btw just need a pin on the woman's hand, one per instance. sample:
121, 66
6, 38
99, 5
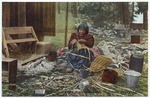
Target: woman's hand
73, 41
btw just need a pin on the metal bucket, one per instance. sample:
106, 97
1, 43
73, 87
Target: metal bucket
84, 85
132, 77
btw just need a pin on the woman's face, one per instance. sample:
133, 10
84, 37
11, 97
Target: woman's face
81, 32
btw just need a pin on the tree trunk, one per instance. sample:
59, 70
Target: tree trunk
145, 24
74, 9
132, 13
124, 13
127, 15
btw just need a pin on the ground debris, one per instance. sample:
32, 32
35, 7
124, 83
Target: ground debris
56, 82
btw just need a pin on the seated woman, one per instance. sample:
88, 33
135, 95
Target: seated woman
80, 56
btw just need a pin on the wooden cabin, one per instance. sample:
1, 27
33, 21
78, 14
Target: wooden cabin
39, 15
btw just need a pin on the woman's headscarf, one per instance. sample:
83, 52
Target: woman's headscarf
83, 26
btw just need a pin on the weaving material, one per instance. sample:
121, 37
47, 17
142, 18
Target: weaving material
81, 58
99, 63
81, 46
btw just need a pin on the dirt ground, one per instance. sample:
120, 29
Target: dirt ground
60, 83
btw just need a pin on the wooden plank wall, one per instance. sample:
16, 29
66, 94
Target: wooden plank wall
49, 18
40, 15
44, 17
5, 14
34, 17
13, 14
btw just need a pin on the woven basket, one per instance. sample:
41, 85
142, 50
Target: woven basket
99, 63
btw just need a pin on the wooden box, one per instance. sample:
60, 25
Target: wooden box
9, 65
42, 48
135, 38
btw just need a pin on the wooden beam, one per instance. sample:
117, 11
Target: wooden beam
21, 40
17, 30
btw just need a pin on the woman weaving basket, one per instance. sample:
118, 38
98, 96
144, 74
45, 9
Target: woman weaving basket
80, 56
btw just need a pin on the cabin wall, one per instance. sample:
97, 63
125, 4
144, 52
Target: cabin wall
40, 15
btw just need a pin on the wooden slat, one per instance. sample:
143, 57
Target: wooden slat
14, 46
8, 59
27, 27
17, 30
21, 40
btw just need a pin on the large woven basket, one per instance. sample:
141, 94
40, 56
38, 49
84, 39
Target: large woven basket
99, 63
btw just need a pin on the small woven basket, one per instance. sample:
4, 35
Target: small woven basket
99, 63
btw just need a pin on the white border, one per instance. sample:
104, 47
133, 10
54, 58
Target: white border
72, 1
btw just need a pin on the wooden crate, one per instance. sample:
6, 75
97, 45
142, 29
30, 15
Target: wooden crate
9, 66
42, 48
135, 38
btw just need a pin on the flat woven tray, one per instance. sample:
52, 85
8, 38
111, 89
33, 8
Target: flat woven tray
99, 63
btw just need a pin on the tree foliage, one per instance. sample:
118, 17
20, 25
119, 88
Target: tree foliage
106, 14
101, 13
142, 7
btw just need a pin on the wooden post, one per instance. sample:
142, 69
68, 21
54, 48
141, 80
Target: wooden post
66, 28
10, 65
145, 22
